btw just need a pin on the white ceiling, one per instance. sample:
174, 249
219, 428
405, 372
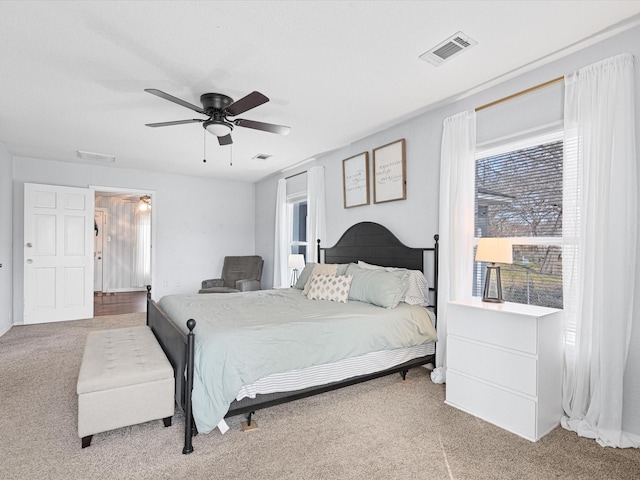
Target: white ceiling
73, 74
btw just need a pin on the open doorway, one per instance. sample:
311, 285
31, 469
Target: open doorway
123, 260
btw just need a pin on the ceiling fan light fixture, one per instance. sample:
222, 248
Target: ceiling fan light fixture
219, 128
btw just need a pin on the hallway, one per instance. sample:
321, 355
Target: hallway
119, 303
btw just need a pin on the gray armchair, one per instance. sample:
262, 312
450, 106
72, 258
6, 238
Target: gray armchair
239, 274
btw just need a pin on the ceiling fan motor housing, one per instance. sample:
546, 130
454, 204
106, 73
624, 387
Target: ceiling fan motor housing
214, 101
214, 104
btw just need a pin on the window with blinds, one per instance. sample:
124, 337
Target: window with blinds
297, 213
299, 227
518, 194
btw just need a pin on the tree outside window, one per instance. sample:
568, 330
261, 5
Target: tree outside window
519, 195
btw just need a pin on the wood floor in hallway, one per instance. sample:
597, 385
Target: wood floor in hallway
119, 303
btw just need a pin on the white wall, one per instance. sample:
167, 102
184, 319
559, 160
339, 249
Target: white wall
6, 189
198, 221
415, 220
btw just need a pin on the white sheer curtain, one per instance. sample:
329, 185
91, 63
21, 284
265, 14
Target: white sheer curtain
600, 221
142, 252
316, 216
457, 174
281, 243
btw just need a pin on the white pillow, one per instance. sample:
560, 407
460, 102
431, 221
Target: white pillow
417, 291
330, 287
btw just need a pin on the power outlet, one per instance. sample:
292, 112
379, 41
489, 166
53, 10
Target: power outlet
166, 283
178, 283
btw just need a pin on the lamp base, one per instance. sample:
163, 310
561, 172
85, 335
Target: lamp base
492, 300
487, 285
294, 277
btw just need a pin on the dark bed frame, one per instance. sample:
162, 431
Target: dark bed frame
365, 241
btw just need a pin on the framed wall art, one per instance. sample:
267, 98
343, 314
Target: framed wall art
355, 180
389, 172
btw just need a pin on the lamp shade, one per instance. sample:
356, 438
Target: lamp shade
296, 261
494, 250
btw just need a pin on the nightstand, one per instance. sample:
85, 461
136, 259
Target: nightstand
504, 364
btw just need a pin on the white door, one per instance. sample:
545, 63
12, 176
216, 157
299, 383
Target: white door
100, 219
58, 253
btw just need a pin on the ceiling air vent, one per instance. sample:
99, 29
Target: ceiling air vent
448, 49
261, 156
98, 157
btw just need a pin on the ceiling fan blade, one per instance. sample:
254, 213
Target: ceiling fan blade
266, 127
226, 140
246, 103
176, 122
173, 99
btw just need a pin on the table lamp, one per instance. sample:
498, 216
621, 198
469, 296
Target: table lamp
296, 262
494, 250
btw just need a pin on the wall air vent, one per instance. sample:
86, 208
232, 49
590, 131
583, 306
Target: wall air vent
448, 49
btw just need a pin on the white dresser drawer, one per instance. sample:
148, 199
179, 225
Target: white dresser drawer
505, 409
504, 364
511, 370
516, 332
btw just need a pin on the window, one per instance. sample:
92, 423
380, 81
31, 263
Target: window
519, 195
298, 216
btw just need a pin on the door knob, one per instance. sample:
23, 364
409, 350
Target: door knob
29, 245
29, 261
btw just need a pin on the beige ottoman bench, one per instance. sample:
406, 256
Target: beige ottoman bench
125, 379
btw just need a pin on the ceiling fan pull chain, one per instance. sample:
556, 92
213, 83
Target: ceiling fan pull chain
204, 147
231, 156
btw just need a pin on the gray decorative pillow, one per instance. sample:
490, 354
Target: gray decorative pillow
342, 268
417, 292
330, 287
304, 275
377, 286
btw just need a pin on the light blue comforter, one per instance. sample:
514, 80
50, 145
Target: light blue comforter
242, 337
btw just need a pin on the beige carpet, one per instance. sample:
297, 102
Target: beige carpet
384, 429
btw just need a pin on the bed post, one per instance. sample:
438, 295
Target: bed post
436, 253
148, 300
318, 250
188, 414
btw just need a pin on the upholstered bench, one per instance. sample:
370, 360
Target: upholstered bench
125, 379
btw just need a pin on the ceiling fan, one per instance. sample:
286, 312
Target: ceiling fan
219, 108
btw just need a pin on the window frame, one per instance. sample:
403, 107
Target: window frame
553, 133
292, 201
